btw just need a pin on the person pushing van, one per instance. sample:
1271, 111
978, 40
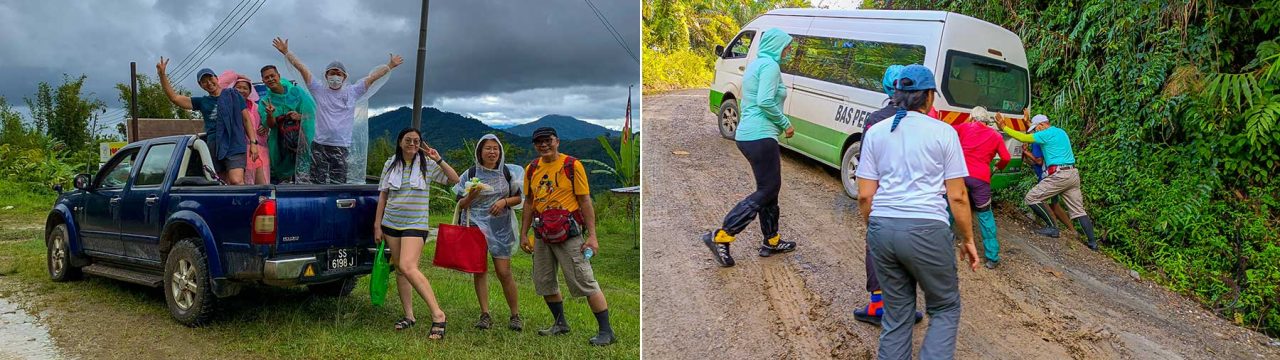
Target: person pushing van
912, 168
757, 139
1063, 177
981, 143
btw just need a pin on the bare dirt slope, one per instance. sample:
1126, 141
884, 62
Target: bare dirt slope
1050, 299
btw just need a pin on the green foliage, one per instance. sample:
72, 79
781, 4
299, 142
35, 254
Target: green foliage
69, 116
1172, 110
679, 36
626, 160
152, 102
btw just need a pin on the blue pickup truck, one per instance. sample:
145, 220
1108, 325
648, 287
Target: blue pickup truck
156, 215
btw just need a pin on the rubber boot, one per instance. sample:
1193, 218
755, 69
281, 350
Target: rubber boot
1087, 224
1050, 229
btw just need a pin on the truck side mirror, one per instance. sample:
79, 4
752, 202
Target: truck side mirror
82, 181
719, 50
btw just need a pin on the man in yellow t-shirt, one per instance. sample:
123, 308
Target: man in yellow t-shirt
548, 186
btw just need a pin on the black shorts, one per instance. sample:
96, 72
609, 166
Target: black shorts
404, 233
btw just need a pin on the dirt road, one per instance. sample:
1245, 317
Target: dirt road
1050, 299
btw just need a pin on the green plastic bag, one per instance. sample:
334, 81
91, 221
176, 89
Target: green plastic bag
381, 273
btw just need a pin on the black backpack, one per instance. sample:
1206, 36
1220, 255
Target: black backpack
290, 134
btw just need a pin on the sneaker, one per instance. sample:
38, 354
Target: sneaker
485, 321
863, 316
719, 251
602, 339
557, 329
1048, 231
516, 324
1092, 246
991, 265
782, 247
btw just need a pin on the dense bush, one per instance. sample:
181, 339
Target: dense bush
1172, 108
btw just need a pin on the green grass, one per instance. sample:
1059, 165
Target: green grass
289, 323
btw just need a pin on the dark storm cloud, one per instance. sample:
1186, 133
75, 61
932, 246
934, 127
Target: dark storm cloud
476, 50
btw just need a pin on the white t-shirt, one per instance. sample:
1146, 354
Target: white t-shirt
335, 111
911, 164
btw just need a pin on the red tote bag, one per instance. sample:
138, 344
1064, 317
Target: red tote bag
461, 248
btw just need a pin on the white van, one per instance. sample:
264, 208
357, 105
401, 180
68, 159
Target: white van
833, 77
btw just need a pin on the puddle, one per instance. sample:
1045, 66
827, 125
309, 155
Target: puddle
22, 336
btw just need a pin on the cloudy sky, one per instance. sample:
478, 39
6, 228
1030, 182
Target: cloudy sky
499, 61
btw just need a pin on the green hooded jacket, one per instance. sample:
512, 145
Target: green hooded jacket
763, 92
294, 98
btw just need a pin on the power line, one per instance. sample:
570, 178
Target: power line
612, 31
224, 40
187, 59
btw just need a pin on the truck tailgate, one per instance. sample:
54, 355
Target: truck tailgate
313, 218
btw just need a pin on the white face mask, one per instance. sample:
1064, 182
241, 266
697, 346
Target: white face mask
335, 81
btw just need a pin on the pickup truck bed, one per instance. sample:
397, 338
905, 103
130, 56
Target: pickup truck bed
154, 215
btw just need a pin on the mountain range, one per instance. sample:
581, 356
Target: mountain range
448, 131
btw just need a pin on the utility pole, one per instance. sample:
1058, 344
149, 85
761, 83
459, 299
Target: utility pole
422, 62
133, 102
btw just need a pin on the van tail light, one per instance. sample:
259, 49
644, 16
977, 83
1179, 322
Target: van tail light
264, 223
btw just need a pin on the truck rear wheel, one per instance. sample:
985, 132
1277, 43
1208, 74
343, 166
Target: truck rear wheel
849, 168
58, 255
187, 288
335, 288
728, 118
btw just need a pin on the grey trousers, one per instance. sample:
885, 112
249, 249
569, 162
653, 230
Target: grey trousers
910, 252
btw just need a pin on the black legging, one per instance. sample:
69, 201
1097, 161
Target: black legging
765, 158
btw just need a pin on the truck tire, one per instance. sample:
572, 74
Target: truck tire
58, 255
337, 288
728, 117
187, 288
848, 168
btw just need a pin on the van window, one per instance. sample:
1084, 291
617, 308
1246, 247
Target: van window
856, 63
740, 46
971, 80
154, 165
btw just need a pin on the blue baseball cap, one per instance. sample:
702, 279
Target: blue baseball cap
890, 76
915, 78
204, 72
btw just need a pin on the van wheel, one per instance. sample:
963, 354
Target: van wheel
58, 255
335, 288
187, 288
728, 117
849, 168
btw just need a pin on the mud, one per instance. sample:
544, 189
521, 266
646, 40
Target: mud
1049, 299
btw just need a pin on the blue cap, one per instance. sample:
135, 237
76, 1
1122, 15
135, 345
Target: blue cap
915, 78
890, 75
204, 72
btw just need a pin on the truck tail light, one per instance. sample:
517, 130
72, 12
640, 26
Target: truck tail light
264, 223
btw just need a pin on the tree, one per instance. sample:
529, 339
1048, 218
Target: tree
152, 102
12, 130
66, 112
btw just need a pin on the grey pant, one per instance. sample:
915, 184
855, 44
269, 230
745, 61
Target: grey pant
908, 252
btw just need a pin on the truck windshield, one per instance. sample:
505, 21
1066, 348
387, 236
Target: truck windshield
971, 80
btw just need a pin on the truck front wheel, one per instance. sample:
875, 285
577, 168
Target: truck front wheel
334, 288
58, 255
187, 288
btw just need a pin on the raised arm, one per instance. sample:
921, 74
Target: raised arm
283, 46
181, 101
1004, 123
395, 61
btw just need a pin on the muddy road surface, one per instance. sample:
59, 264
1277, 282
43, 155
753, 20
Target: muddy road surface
1049, 299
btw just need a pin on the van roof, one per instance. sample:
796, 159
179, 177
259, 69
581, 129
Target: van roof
914, 15
925, 15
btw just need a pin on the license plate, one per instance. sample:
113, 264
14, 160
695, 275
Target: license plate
342, 258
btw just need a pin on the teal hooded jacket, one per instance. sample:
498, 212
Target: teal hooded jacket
763, 92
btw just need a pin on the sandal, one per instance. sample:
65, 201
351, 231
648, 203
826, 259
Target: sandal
437, 331
404, 323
